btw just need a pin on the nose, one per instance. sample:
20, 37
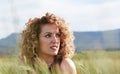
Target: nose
55, 39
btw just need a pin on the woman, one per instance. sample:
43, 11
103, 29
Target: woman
48, 38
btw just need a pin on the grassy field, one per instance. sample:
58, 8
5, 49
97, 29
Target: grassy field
87, 62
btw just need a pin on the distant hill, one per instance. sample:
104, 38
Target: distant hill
11, 40
9, 44
97, 40
83, 41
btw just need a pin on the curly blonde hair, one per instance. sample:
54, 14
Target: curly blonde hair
30, 37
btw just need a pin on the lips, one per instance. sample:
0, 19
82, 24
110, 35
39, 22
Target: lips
54, 47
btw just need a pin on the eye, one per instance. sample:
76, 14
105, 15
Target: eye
58, 35
48, 35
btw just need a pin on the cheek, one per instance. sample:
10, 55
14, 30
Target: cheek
45, 40
44, 43
42, 47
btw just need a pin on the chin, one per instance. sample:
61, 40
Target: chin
54, 54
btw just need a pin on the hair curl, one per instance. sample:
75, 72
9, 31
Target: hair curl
30, 37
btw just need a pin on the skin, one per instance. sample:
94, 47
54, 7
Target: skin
68, 67
49, 41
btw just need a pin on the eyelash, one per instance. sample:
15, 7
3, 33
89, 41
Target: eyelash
49, 35
58, 35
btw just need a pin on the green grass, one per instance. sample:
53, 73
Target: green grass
87, 62
97, 62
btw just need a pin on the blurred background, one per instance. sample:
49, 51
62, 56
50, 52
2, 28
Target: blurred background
95, 23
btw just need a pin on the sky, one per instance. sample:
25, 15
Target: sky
82, 15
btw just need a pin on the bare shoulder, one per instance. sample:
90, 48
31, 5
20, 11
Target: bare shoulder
68, 65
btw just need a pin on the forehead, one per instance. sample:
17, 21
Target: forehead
49, 28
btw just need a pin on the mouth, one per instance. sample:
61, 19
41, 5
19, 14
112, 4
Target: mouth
54, 47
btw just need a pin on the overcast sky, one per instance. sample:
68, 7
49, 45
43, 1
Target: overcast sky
82, 15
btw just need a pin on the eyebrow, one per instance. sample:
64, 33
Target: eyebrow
50, 33
46, 33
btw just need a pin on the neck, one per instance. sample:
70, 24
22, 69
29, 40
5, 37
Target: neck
47, 58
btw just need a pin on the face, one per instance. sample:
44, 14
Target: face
49, 39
